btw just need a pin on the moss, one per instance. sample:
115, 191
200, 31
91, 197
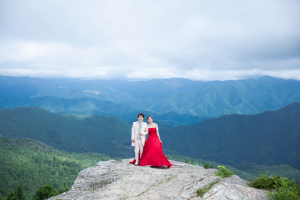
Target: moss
202, 191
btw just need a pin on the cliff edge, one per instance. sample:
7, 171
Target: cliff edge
121, 180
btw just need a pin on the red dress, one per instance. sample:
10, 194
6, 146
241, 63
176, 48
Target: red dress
153, 153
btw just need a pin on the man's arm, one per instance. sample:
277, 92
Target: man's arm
132, 133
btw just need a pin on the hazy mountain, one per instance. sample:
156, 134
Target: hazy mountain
91, 106
67, 88
182, 96
250, 96
268, 138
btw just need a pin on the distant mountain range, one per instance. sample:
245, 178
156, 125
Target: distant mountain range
268, 138
156, 97
215, 99
91, 106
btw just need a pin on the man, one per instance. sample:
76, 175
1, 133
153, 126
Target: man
138, 132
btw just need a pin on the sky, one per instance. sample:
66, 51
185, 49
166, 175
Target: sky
110, 39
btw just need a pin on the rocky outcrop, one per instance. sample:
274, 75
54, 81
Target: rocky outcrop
121, 180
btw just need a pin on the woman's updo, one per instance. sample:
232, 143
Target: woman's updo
149, 116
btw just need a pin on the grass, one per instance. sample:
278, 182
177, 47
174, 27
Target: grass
223, 172
202, 191
168, 179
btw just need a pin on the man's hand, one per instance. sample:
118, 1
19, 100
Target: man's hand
140, 133
133, 140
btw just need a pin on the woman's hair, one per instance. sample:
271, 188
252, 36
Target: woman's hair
142, 114
149, 116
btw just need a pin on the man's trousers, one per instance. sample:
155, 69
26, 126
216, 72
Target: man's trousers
138, 150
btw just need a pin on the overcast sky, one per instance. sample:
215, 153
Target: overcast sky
199, 40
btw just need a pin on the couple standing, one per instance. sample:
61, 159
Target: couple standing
150, 152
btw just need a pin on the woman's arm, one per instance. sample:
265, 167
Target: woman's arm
157, 133
145, 132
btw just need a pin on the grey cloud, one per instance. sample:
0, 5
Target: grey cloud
204, 40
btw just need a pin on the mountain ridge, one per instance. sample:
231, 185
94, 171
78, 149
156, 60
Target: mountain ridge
268, 138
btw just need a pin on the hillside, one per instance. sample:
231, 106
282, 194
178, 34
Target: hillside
68, 132
33, 164
268, 138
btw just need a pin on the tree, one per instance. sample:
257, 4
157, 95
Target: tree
44, 193
19, 193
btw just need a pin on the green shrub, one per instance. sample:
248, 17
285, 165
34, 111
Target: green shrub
47, 191
18, 194
207, 166
44, 193
264, 181
186, 161
202, 191
223, 172
284, 189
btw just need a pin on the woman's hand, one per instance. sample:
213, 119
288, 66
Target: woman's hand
160, 141
141, 133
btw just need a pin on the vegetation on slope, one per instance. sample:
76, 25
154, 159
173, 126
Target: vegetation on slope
68, 132
33, 164
284, 188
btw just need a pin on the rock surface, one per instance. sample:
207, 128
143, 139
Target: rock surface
121, 180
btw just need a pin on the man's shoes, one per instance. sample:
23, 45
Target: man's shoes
136, 163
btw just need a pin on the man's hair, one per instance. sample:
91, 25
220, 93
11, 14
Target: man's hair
149, 116
141, 114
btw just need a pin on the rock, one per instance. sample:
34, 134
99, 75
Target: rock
121, 180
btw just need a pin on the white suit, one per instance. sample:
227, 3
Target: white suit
139, 143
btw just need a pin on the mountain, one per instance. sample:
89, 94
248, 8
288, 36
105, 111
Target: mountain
268, 138
68, 132
249, 96
33, 164
91, 106
181, 96
67, 88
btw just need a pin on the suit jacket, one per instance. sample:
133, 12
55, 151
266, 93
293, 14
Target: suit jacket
135, 129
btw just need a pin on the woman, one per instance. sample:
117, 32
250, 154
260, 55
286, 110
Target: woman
153, 153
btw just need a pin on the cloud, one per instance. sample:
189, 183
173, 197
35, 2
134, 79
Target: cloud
200, 40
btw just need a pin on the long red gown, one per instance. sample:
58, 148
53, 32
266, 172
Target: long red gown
153, 153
